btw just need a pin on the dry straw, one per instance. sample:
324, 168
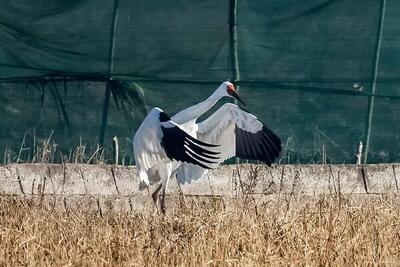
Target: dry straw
281, 230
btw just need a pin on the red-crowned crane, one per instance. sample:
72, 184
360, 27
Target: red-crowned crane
164, 146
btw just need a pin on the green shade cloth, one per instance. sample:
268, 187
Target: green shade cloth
306, 69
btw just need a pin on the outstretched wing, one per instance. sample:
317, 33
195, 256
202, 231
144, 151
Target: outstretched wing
160, 139
239, 133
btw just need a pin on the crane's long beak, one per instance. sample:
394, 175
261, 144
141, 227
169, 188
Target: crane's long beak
237, 97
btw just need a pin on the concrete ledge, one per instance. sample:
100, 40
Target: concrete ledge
228, 180
71, 184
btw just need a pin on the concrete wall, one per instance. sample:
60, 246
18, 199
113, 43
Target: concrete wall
116, 187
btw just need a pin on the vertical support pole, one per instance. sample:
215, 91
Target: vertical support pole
111, 53
234, 48
371, 98
105, 114
359, 153
234, 43
116, 150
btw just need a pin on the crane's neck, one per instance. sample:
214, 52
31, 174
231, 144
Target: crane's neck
194, 112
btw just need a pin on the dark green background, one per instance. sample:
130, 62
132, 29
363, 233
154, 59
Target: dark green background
298, 62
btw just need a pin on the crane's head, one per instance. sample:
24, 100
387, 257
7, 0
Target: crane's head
229, 88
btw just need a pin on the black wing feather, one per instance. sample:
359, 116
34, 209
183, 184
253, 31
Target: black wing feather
263, 145
194, 155
202, 152
176, 142
201, 142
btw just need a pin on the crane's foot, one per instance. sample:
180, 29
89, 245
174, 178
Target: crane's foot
163, 210
162, 206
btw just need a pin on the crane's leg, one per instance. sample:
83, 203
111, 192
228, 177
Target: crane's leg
154, 196
165, 174
162, 202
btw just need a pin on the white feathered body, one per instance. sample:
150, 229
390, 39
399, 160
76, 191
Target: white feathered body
236, 131
150, 157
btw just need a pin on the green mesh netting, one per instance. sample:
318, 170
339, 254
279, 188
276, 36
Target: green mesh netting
316, 71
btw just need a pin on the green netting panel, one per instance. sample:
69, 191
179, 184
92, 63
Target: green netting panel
335, 123
389, 63
55, 36
321, 41
71, 116
183, 40
147, 39
385, 136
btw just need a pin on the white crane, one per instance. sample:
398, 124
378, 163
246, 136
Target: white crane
164, 146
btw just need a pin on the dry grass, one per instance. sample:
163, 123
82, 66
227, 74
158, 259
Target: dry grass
47, 151
326, 230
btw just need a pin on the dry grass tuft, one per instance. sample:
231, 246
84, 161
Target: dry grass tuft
325, 230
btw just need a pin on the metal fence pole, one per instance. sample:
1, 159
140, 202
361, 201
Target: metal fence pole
234, 43
105, 114
234, 48
111, 52
371, 97
110, 73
